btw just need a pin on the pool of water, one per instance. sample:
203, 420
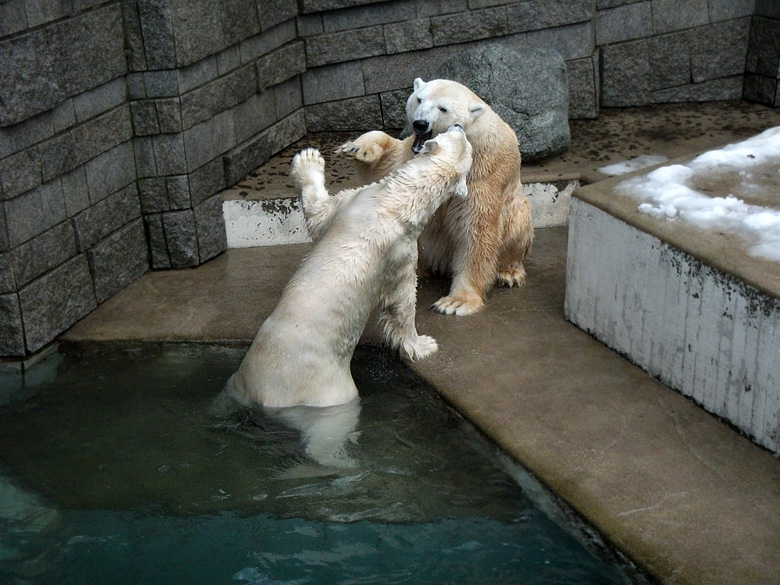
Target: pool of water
124, 465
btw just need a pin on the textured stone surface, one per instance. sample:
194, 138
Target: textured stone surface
583, 96
153, 194
44, 252
281, 64
104, 217
528, 89
625, 23
210, 228
625, 75
20, 173
353, 114
344, 46
11, 329
672, 15
181, 238
539, 14
34, 212
720, 50
55, 301
118, 260
469, 26
7, 279
110, 172
155, 237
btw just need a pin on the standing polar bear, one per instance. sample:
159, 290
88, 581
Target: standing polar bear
365, 256
479, 240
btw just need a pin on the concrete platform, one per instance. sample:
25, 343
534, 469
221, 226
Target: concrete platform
683, 495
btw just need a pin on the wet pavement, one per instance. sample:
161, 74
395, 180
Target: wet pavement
680, 493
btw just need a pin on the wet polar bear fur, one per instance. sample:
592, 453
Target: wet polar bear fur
365, 256
485, 238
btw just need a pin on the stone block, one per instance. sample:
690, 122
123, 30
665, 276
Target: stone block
58, 155
157, 31
764, 48
93, 48
758, 88
362, 17
251, 154
254, 115
11, 329
75, 191
353, 114
673, 15
100, 134
625, 75
118, 260
163, 83
155, 236
228, 59
55, 301
671, 59
723, 89
169, 115
281, 64
19, 173
410, 35
178, 192
110, 172
64, 115
169, 154
197, 74
223, 93
153, 194
207, 180
202, 28
527, 88
16, 138
210, 228
541, 14
274, 12
624, 23
719, 50
13, 18
392, 72
583, 95
394, 108
288, 97
4, 244
267, 41
100, 100
181, 238
7, 278
34, 212
332, 82
767, 8
134, 40
144, 116
207, 140
575, 41
344, 46
31, 75
110, 214
145, 164
44, 252
136, 87
310, 25
469, 26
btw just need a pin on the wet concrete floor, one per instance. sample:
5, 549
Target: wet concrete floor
680, 493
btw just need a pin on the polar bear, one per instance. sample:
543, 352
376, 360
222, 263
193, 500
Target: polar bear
479, 240
365, 256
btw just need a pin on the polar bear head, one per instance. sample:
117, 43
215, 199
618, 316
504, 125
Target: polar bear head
454, 149
438, 104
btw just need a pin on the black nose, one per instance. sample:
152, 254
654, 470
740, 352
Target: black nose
420, 126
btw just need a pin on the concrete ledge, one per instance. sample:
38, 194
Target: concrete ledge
688, 305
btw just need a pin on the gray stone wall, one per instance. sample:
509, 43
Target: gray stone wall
121, 120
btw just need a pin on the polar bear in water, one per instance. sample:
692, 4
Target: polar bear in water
365, 256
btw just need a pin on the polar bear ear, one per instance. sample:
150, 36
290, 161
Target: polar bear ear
418, 83
430, 147
476, 109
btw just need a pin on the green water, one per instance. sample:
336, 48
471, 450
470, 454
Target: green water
124, 466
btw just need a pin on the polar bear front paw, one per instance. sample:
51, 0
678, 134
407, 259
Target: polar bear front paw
420, 348
513, 275
367, 154
308, 166
458, 305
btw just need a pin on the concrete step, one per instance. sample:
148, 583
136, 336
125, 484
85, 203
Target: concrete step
264, 209
692, 297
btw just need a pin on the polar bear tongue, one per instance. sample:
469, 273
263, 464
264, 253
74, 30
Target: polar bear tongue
419, 140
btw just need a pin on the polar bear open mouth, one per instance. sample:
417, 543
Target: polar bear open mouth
419, 140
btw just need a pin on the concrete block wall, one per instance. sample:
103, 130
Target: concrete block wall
361, 61
762, 70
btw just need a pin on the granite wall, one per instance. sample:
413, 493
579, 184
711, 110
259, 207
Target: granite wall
121, 120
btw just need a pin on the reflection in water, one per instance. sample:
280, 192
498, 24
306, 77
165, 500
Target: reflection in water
129, 468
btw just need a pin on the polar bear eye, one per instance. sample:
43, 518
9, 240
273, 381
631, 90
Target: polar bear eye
442, 109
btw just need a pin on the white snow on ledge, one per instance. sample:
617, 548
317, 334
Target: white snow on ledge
669, 193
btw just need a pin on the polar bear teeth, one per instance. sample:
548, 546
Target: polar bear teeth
419, 140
